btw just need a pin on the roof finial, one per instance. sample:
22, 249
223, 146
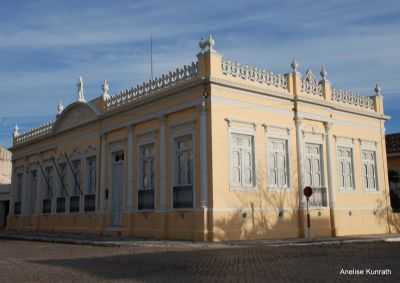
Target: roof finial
377, 90
81, 97
60, 108
16, 131
106, 90
295, 66
323, 73
207, 44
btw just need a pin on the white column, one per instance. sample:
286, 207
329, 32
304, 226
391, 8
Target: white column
103, 173
331, 171
13, 188
203, 155
163, 169
300, 146
38, 190
129, 153
25, 201
300, 172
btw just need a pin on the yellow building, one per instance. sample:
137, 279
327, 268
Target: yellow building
215, 150
393, 156
5, 184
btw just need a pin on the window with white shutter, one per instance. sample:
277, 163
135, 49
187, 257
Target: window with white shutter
314, 176
369, 170
345, 168
91, 171
278, 168
313, 166
147, 167
242, 160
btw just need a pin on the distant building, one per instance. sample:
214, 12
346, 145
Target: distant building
393, 155
215, 150
5, 185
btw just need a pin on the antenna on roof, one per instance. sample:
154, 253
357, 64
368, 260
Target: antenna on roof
151, 57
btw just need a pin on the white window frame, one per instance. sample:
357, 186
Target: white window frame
63, 177
369, 145
176, 161
33, 187
90, 159
177, 131
345, 143
283, 134
75, 190
376, 187
321, 161
141, 167
50, 184
242, 128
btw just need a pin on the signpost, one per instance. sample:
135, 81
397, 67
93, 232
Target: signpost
307, 193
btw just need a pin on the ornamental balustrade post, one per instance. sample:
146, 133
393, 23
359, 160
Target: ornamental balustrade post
210, 61
294, 79
378, 100
326, 85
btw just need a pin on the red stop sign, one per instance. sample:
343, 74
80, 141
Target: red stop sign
307, 191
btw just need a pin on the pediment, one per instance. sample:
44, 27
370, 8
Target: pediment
74, 115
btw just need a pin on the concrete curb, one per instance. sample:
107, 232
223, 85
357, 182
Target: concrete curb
188, 244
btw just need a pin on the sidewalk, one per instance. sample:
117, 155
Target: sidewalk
109, 241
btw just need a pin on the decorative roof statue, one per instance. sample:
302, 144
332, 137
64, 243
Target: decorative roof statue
16, 131
106, 90
81, 97
323, 73
295, 66
60, 108
377, 90
207, 44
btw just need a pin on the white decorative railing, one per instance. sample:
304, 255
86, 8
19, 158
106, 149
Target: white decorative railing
166, 80
348, 97
34, 133
245, 72
310, 85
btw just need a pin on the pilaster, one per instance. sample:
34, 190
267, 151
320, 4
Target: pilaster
163, 165
103, 174
129, 153
331, 169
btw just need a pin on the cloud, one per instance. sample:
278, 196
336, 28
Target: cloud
46, 45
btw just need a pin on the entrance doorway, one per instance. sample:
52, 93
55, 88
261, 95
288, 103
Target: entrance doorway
4, 209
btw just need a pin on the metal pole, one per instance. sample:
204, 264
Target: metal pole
308, 221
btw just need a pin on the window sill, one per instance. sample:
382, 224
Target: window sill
243, 189
371, 191
279, 189
343, 190
146, 210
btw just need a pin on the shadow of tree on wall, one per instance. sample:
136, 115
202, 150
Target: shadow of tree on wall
387, 210
263, 214
386, 215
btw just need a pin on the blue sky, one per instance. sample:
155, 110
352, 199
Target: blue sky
46, 45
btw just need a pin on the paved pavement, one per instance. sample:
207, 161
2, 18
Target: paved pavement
25, 261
